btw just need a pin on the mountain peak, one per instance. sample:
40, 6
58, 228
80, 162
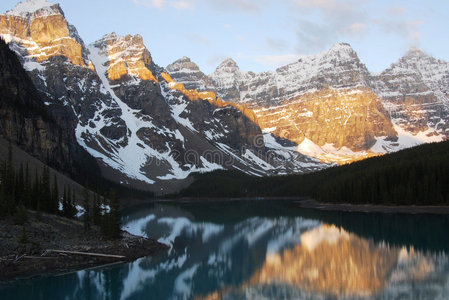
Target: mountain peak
228, 62
414, 52
110, 36
183, 65
227, 66
341, 47
29, 7
129, 39
183, 59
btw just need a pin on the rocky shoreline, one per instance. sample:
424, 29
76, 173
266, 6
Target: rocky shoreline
51, 245
375, 208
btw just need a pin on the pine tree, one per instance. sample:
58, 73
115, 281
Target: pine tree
9, 174
65, 203
104, 222
27, 187
3, 204
96, 210
114, 215
19, 187
86, 207
21, 215
72, 204
35, 193
23, 238
55, 196
45, 191
8, 183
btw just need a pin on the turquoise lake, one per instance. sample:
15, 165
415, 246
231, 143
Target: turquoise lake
265, 250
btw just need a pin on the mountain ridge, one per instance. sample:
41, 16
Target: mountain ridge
278, 93
143, 132
139, 119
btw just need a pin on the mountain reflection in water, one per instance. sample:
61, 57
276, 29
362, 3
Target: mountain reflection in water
256, 251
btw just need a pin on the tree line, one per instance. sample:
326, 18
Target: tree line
414, 176
417, 176
21, 190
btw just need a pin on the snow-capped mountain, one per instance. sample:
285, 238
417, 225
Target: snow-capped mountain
189, 74
227, 79
415, 90
334, 109
323, 103
144, 129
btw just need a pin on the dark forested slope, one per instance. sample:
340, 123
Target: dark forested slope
418, 175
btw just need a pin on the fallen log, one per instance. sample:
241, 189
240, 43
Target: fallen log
38, 257
85, 253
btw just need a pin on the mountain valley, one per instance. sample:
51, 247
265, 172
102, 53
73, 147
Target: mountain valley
150, 127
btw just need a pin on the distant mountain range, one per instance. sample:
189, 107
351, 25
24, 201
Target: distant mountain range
332, 107
149, 127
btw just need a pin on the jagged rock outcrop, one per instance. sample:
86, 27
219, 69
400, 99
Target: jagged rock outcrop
415, 92
41, 31
227, 79
127, 56
187, 72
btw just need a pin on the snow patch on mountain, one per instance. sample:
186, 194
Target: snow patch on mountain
24, 9
405, 140
329, 153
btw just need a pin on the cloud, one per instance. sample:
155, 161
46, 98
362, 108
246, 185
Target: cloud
324, 22
247, 6
179, 4
410, 29
275, 44
215, 60
321, 23
356, 28
150, 3
313, 37
230, 6
182, 4
199, 39
241, 38
396, 10
276, 60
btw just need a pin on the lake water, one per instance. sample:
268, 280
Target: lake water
266, 250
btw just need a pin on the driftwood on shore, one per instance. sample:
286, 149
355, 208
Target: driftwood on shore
84, 253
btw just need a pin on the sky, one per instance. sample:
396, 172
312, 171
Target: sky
261, 35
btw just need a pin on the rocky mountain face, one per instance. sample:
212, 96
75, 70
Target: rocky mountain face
332, 108
144, 129
415, 90
188, 73
25, 119
227, 79
41, 31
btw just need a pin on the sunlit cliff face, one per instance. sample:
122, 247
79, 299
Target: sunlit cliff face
43, 34
128, 55
344, 118
209, 96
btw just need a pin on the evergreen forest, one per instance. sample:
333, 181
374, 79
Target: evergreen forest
414, 176
22, 189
